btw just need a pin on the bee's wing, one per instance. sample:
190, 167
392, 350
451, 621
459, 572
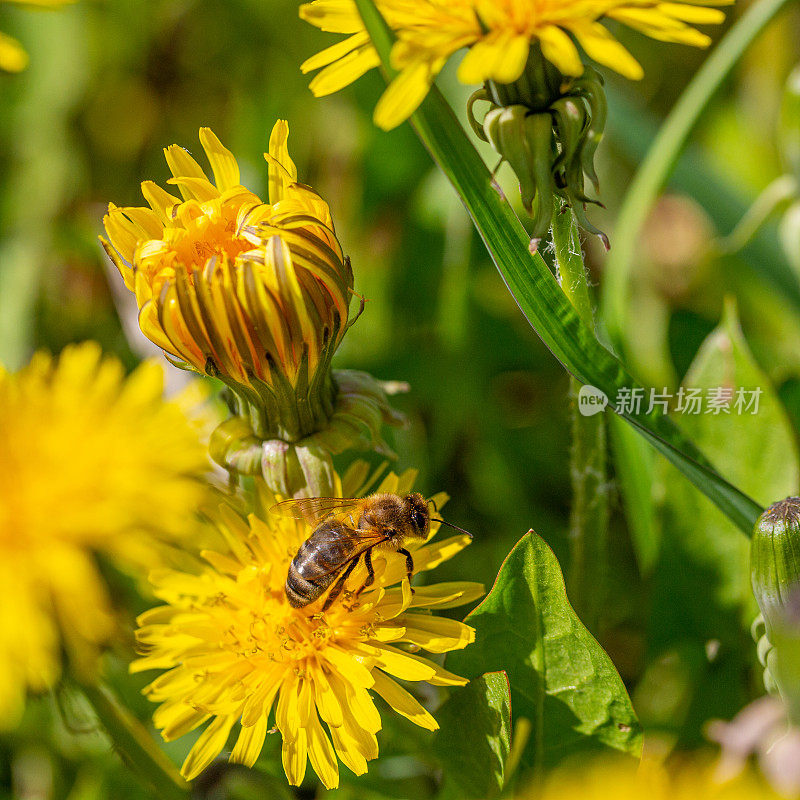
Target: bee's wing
314, 509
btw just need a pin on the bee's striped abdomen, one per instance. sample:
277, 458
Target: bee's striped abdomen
318, 562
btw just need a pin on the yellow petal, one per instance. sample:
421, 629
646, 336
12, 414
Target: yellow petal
13, 57
207, 747
344, 71
282, 171
435, 634
600, 45
559, 49
403, 702
336, 51
248, 745
404, 95
321, 753
294, 756
223, 164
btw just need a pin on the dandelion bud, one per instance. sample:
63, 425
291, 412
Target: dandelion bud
547, 126
775, 576
255, 294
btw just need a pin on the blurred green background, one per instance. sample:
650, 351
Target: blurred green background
112, 82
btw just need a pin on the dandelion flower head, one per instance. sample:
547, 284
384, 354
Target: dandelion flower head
499, 35
238, 655
229, 285
91, 463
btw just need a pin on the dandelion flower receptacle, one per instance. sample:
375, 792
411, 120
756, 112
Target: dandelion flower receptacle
257, 294
91, 464
240, 657
547, 105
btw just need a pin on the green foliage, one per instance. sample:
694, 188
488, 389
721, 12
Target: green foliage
561, 679
702, 591
474, 738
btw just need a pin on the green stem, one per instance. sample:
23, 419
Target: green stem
661, 158
588, 524
135, 745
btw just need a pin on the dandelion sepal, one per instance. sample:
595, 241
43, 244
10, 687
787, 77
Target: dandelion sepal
547, 126
302, 466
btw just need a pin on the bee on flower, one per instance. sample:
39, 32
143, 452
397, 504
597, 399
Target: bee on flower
92, 464
257, 294
547, 106
241, 657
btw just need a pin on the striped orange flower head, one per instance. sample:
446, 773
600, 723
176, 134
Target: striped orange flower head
254, 293
546, 103
240, 661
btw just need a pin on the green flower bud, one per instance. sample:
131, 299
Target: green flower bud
775, 577
547, 126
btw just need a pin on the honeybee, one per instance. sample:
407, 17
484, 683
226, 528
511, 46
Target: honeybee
347, 529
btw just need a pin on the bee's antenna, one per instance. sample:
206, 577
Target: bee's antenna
435, 507
450, 525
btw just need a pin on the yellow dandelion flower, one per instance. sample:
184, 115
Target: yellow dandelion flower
239, 655
91, 463
621, 780
13, 57
255, 293
499, 35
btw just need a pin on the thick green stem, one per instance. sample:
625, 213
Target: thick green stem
135, 746
588, 527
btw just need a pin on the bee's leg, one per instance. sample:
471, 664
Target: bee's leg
409, 563
339, 585
370, 572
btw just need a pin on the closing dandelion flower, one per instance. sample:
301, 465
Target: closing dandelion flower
91, 463
235, 649
499, 35
547, 109
13, 57
256, 294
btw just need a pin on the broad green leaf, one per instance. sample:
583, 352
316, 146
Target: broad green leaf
473, 740
537, 292
561, 679
703, 593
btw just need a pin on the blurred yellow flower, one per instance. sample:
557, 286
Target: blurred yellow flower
235, 648
254, 293
622, 780
13, 57
91, 463
499, 35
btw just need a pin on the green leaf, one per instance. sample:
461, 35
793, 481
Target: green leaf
662, 156
703, 589
537, 292
561, 679
473, 741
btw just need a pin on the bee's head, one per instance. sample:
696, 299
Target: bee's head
417, 513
